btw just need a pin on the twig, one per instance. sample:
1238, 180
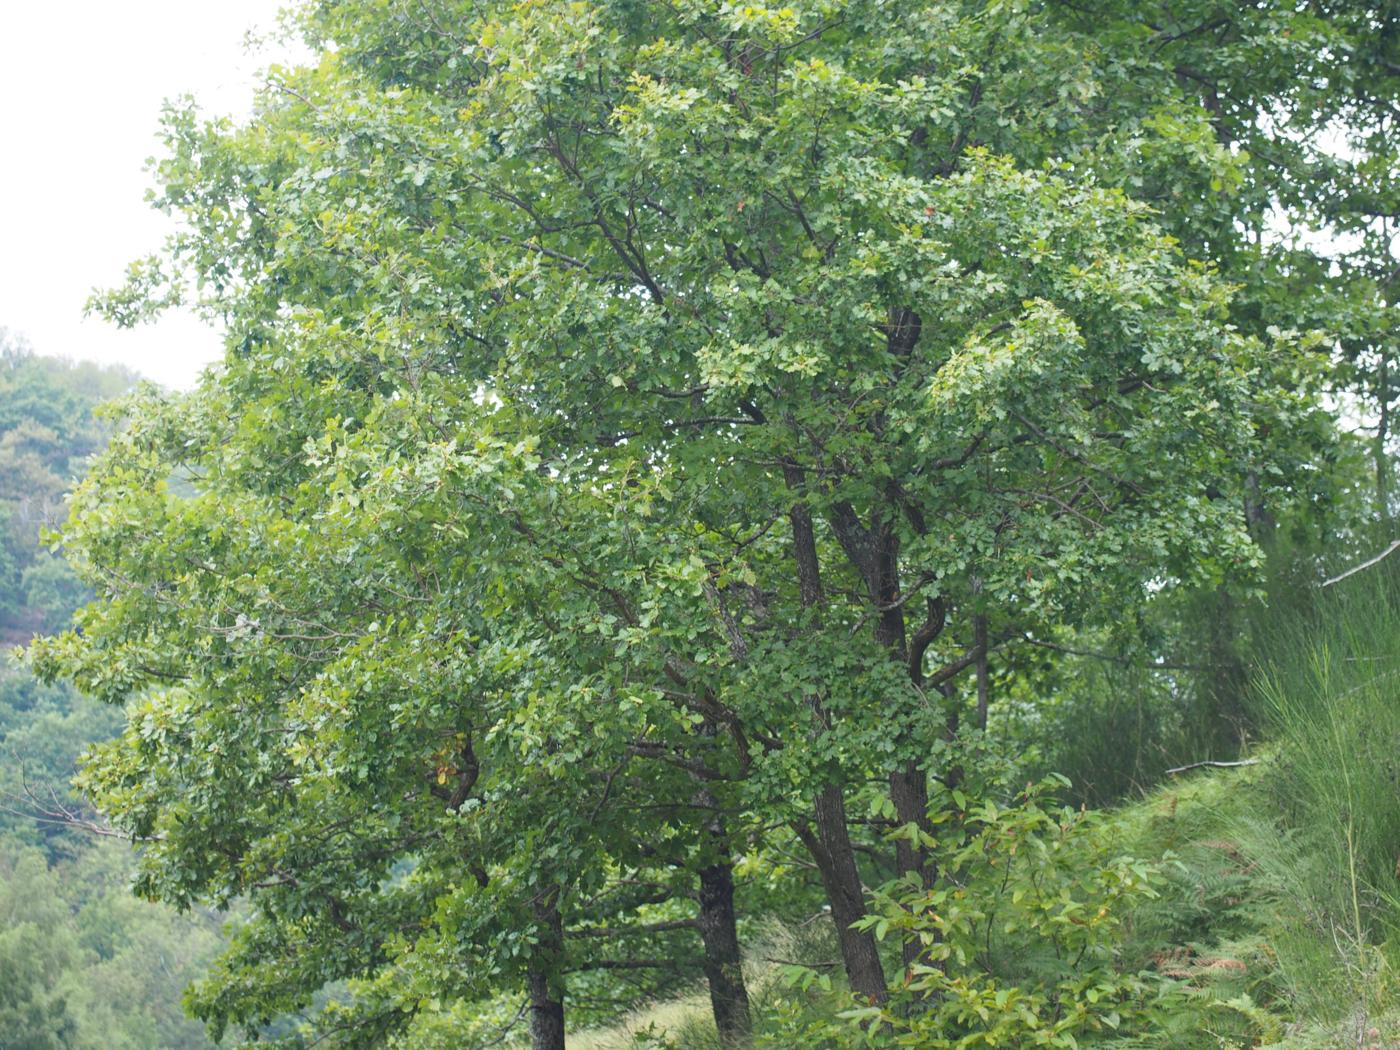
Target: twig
624, 964
805, 965
622, 931
1370, 681
1215, 765
30, 806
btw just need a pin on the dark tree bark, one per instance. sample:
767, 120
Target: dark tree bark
909, 793
830, 847
543, 980
1257, 518
719, 932
719, 928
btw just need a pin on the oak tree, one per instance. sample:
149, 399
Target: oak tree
643, 426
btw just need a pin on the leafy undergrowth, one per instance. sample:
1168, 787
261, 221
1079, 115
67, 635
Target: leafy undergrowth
1236, 938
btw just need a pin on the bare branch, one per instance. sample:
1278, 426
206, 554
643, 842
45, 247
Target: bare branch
1394, 545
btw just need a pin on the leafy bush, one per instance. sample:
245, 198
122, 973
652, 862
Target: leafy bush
1018, 945
1019, 942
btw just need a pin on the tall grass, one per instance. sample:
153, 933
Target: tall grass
1329, 698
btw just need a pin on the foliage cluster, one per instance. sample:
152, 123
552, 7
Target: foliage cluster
1017, 942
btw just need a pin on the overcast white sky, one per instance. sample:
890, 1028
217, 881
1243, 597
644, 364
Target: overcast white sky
81, 86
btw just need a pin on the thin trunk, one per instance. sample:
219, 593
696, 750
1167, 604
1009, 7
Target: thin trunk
729, 998
1380, 451
831, 845
542, 977
909, 785
951, 726
979, 626
909, 793
1257, 519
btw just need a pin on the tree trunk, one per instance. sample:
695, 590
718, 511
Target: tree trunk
909, 793
719, 929
831, 845
719, 932
874, 552
542, 977
1257, 519
952, 724
979, 625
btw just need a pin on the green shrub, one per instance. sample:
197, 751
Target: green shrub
1019, 941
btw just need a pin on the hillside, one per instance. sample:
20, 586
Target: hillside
1254, 943
85, 964
1271, 913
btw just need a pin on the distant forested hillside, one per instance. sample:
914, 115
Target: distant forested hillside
83, 963
47, 430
